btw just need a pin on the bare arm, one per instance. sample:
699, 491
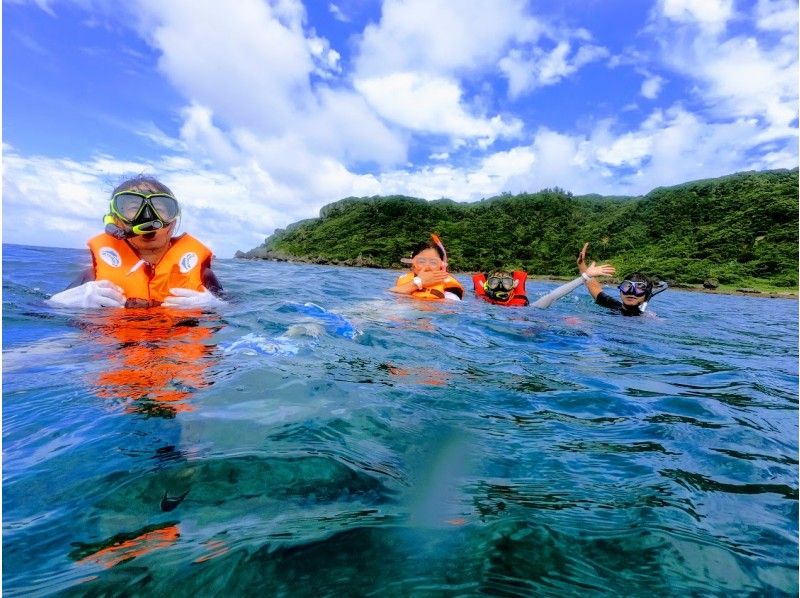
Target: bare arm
404, 289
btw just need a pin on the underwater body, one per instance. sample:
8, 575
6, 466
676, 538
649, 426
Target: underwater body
320, 436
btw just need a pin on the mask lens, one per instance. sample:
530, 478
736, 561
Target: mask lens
636, 288
166, 207
127, 205
427, 261
495, 282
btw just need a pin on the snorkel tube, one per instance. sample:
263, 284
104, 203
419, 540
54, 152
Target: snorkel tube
652, 291
127, 232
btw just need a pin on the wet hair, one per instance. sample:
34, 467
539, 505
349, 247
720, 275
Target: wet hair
142, 183
427, 245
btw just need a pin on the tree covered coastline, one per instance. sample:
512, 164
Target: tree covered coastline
740, 230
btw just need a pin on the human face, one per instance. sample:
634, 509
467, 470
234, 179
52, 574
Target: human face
632, 300
427, 260
633, 293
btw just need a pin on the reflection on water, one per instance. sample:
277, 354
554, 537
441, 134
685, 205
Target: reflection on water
155, 359
349, 443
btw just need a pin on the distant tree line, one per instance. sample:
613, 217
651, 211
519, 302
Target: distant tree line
733, 230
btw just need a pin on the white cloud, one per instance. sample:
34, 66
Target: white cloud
628, 150
742, 76
430, 104
710, 15
337, 13
669, 147
535, 67
240, 59
651, 87
442, 36
777, 15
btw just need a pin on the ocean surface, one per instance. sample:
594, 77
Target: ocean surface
318, 436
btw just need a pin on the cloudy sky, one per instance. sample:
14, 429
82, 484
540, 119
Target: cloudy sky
257, 113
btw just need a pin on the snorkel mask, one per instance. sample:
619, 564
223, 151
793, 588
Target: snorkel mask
140, 213
499, 286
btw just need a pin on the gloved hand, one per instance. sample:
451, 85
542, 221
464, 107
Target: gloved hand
187, 299
95, 293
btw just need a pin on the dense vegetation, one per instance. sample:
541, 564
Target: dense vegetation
735, 230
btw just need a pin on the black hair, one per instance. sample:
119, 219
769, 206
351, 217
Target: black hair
142, 182
427, 245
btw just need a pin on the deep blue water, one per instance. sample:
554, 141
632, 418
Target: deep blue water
379, 446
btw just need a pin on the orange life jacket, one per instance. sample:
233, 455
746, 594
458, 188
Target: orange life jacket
436, 292
115, 260
516, 297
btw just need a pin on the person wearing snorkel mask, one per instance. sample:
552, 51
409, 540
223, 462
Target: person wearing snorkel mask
428, 279
137, 262
636, 289
508, 288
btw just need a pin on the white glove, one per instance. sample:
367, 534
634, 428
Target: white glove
187, 299
95, 293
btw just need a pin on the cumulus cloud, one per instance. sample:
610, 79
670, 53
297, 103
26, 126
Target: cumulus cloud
442, 36
651, 86
777, 15
337, 13
430, 104
668, 147
710, 15
536, 67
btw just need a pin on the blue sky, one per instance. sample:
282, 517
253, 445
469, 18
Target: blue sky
257, 113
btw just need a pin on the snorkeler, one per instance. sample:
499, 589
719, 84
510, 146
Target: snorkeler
635, 290
508, 288
137, 262
428, 279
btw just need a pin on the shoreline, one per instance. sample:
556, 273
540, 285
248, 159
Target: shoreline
696, 288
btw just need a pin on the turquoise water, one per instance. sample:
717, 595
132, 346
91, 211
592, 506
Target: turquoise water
379, 446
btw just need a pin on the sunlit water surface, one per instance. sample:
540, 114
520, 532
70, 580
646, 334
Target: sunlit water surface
379, 446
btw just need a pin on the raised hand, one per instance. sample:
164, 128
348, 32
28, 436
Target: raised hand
433, 277
602, 270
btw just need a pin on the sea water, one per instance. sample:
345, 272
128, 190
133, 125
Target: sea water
320, 436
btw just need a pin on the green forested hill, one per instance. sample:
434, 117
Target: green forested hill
738, 230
